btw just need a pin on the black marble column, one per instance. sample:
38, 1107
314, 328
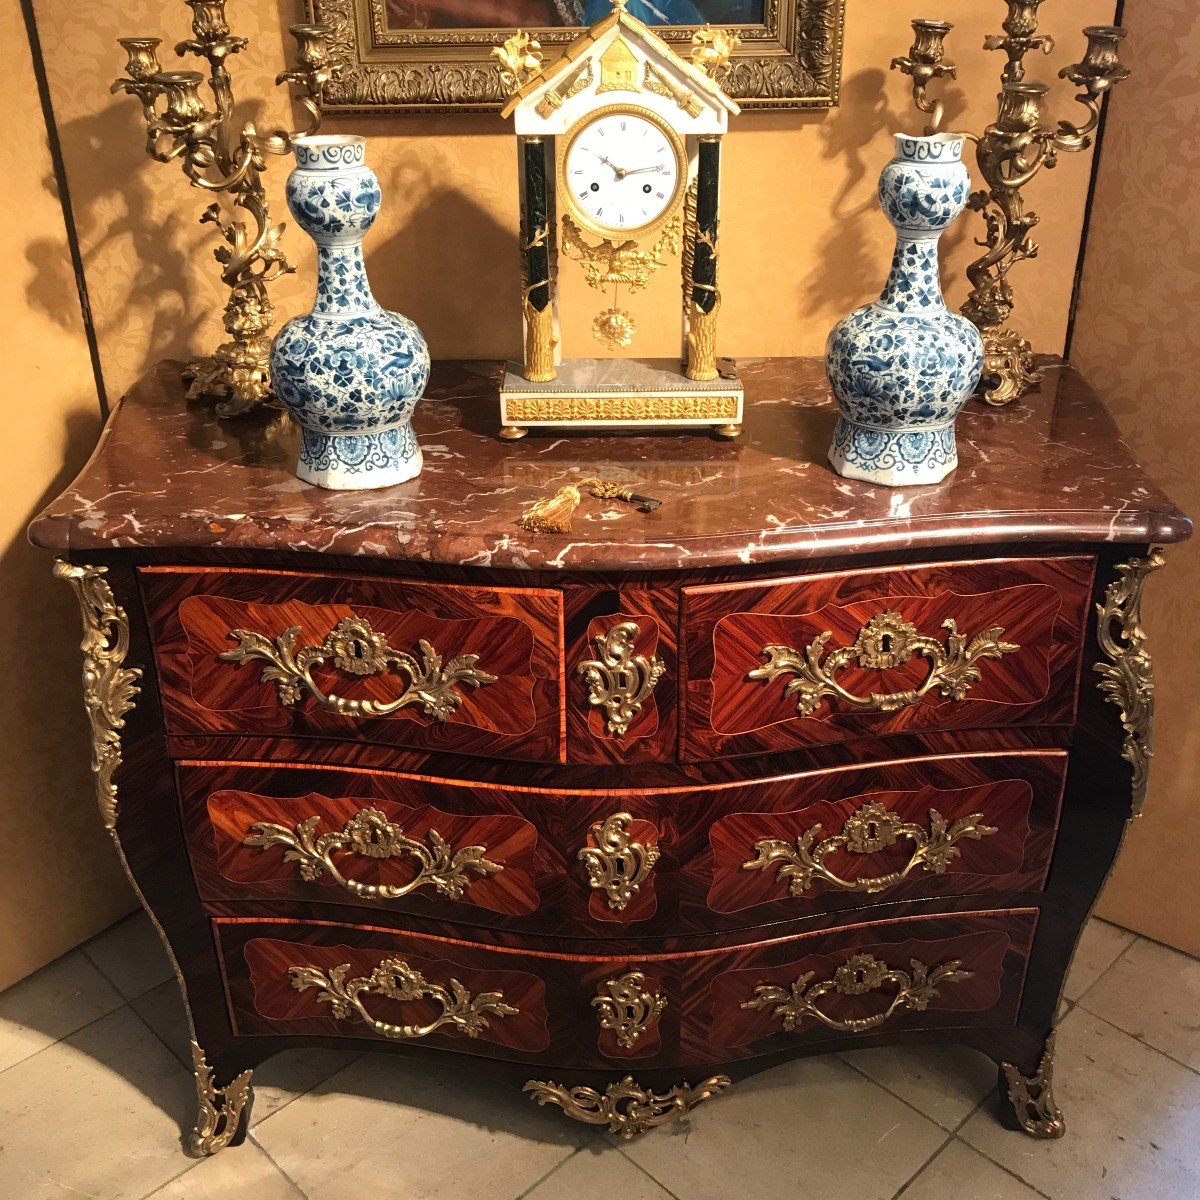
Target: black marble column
536, 233
704, 261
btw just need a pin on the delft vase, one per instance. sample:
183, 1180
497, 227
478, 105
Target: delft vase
350, 372
903, 367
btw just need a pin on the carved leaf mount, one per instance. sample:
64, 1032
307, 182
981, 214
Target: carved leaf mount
109, 687
871, 828
616, 864
220, 1108
618, 680
797, 1003
626, 1006
886, 641
394, 979
356, 649
626, 1108
370, 834
1032, 1097
1127, 679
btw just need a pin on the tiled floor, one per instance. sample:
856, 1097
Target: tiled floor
94, 1091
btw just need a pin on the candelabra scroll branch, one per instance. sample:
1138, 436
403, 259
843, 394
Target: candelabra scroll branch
218, 156
1010, 153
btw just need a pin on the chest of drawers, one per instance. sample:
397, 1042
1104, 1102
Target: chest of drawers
787, 766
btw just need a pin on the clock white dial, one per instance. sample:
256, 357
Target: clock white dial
622, 172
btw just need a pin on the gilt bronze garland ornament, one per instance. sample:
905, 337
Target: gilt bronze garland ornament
218, 158
1010, 153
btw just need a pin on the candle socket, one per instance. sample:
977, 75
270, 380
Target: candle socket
1010, 152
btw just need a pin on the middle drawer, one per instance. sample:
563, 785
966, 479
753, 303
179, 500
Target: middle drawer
657, 861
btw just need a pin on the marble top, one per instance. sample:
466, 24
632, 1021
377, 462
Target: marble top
168, 475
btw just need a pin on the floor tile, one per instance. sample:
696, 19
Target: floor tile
1153, 992
814, 1127
277, 1082
131, 954
235, 1172
943, 1082
53, 1002
600, 1170
1098, 949
99, 1114
1133, 1122
960, 1173
439, 1131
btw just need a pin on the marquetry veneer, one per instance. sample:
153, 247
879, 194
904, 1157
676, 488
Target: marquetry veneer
627, 815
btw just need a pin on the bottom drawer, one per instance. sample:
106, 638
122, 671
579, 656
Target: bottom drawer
685, 1008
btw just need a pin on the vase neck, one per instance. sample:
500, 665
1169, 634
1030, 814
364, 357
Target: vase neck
342, 286
914, 284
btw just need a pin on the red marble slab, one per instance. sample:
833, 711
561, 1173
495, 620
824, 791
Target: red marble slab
1049, 469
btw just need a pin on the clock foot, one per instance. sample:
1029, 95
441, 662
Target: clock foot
725, 432
512, 433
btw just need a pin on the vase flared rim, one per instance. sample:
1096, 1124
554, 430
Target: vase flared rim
931, 147
317, 141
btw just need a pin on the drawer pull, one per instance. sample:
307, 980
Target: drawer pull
885, 641
858, 975
620, 681
396, 980
615, 863
625, 1005
867, 831
356, 649
370, 834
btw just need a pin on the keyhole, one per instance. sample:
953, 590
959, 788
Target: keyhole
873, 831
885, 643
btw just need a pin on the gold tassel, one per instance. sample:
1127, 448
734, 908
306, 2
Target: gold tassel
554, 515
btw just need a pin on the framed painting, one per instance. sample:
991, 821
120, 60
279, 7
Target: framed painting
435, 55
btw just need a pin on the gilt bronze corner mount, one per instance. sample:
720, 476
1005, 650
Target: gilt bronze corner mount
1010, 153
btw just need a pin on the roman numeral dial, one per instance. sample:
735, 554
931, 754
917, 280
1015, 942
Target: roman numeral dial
622, 171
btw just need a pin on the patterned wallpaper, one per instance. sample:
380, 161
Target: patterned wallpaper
1137, 338
803, 239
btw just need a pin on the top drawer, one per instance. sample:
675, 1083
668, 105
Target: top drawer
826, 658
474, 670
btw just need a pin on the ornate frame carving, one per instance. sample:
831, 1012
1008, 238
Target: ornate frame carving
792, 60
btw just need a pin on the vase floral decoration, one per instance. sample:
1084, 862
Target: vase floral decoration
349, 371
902, 368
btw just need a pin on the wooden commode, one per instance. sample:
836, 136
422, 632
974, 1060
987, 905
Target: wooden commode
789, 765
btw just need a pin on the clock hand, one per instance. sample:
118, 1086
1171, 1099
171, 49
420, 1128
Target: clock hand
642, 170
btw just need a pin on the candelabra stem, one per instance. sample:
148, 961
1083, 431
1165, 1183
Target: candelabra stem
218, 156
1010, 153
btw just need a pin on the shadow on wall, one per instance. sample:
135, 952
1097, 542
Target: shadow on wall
864, 114
118, 212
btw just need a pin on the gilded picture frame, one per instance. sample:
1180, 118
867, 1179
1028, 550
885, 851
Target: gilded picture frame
393, 61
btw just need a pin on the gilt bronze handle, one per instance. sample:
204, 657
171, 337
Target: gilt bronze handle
862, 973
396, 980
356, 649
370, 834
867, 831
886, 640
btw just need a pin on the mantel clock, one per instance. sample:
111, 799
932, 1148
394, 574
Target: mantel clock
621, 136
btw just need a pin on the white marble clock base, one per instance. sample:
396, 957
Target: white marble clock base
621, 394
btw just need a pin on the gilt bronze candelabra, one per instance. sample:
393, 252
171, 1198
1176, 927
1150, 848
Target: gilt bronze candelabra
1010, 152
218, 157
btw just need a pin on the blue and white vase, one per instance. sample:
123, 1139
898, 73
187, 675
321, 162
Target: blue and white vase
903, 367
350, 372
